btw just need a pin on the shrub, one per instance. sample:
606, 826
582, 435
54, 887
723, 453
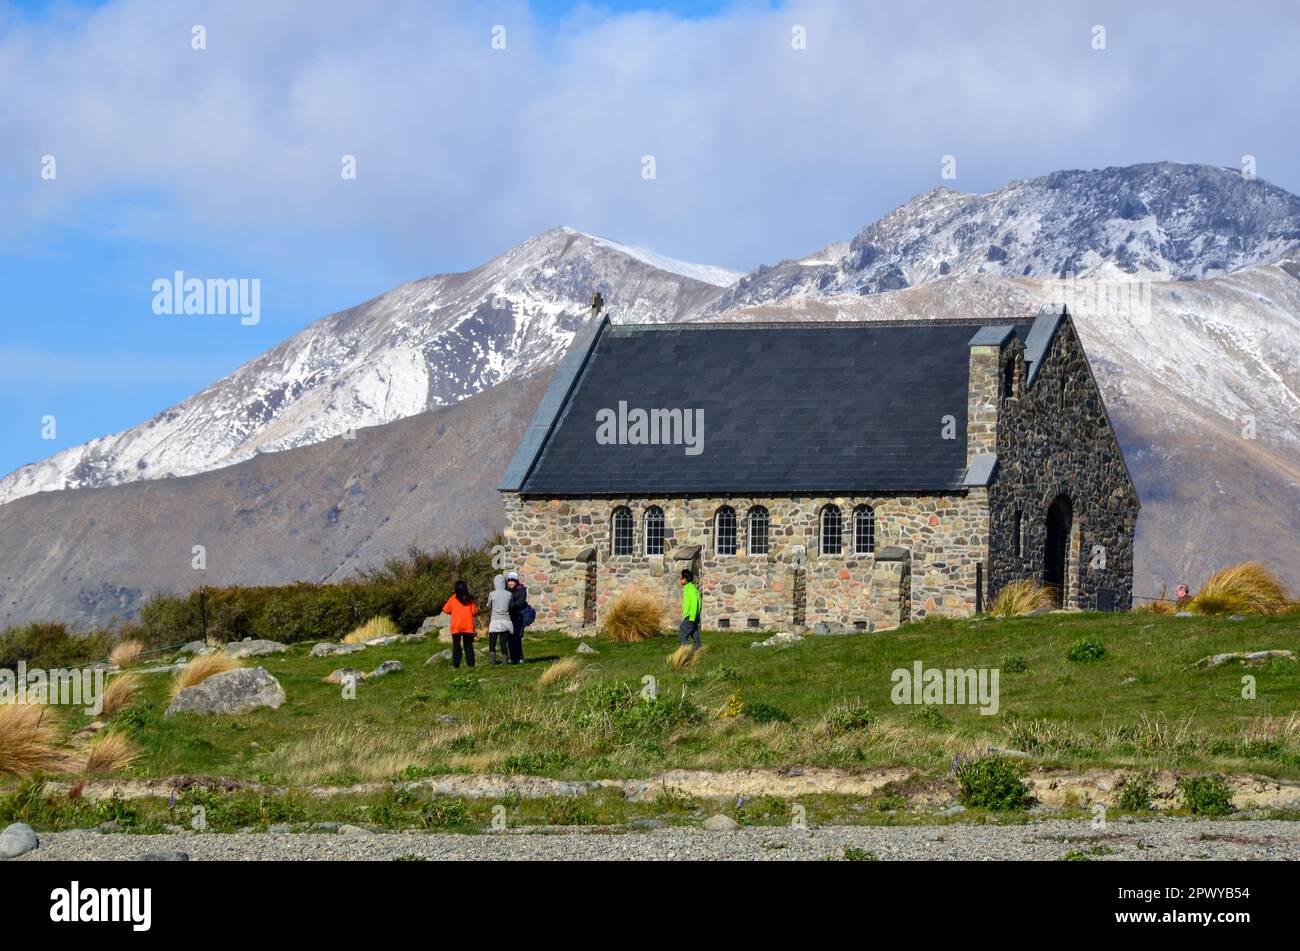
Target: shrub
1084, 650
854, 854
1206, 795
846, 718
376, 627
1020, 598
126, 653
40, 644
635, 615
536, 763
440, 813
761, 712
564, 669
1014, 664
650, 718
994, 783
28, 734
931, 716
200, 669
110, 753
465, 685
1135, 794
1242, 589
685, 656
119, 693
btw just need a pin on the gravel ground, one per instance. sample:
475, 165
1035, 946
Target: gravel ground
1045, 840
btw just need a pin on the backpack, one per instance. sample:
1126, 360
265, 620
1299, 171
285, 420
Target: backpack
528, 615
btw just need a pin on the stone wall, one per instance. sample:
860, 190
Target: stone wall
1054, 438
946, 535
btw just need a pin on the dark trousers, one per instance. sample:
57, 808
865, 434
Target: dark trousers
459, 642
498, 636
516, 643
689, 631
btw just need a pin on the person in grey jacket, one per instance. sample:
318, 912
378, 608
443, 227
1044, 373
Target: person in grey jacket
500, 625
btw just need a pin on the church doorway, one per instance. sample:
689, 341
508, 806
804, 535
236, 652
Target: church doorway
1056, 548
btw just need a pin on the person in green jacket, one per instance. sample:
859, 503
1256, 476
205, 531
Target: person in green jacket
690, 628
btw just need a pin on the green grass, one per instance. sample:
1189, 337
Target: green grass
1141, 705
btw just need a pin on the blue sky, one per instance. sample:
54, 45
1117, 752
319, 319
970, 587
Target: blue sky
225, 162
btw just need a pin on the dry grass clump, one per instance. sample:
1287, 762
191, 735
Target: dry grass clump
126, 654
685, 656
1020, 598
110, 753
376, 627
28, 734
561, 670
635, 615
200, 669
119, 693
1241, 589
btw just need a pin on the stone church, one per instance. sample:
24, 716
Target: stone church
823, 476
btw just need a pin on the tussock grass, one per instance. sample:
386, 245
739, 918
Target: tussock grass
119, 693
200, 669
358, 753
126, 654
375, 627
29, 733
685, 656
110, 752
1249, 588
564, 669
635, 615
1020, 598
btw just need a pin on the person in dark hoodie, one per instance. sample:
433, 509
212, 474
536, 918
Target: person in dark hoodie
463, 608
501, 626
518, 610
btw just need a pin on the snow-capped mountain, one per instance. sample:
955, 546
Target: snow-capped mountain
425, 344
1160, 221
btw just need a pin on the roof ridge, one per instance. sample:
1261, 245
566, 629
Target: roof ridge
815, 324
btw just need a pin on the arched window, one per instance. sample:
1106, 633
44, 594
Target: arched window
620, 534
832, 531
1018, 533
724, 531
1009, 378
654, 530
758, 525
864, 530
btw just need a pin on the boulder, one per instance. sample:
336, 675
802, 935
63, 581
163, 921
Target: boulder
344, 674
258, 648
193, 647
329, 649
18, 839
720, 823
442, 657
233, 692
585, 648
384, 669
383, 641
431, 625
1249, 658
779, 640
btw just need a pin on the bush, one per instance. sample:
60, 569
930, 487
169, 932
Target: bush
847, 718
444, 813
28, 739
1085, 650
1014, 664
1206, 795
41, 644
379, 626
566, 668
1242, 589
1020, 598
761, 712
1135, 794
994, 783
635, 615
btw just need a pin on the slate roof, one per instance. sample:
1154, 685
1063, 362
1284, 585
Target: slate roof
788, 408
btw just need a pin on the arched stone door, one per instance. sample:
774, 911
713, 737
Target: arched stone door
1056, 548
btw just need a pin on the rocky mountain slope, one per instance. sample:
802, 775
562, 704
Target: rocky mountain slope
423, 345
1199, 360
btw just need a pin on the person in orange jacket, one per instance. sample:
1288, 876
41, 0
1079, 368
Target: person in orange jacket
463, 609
